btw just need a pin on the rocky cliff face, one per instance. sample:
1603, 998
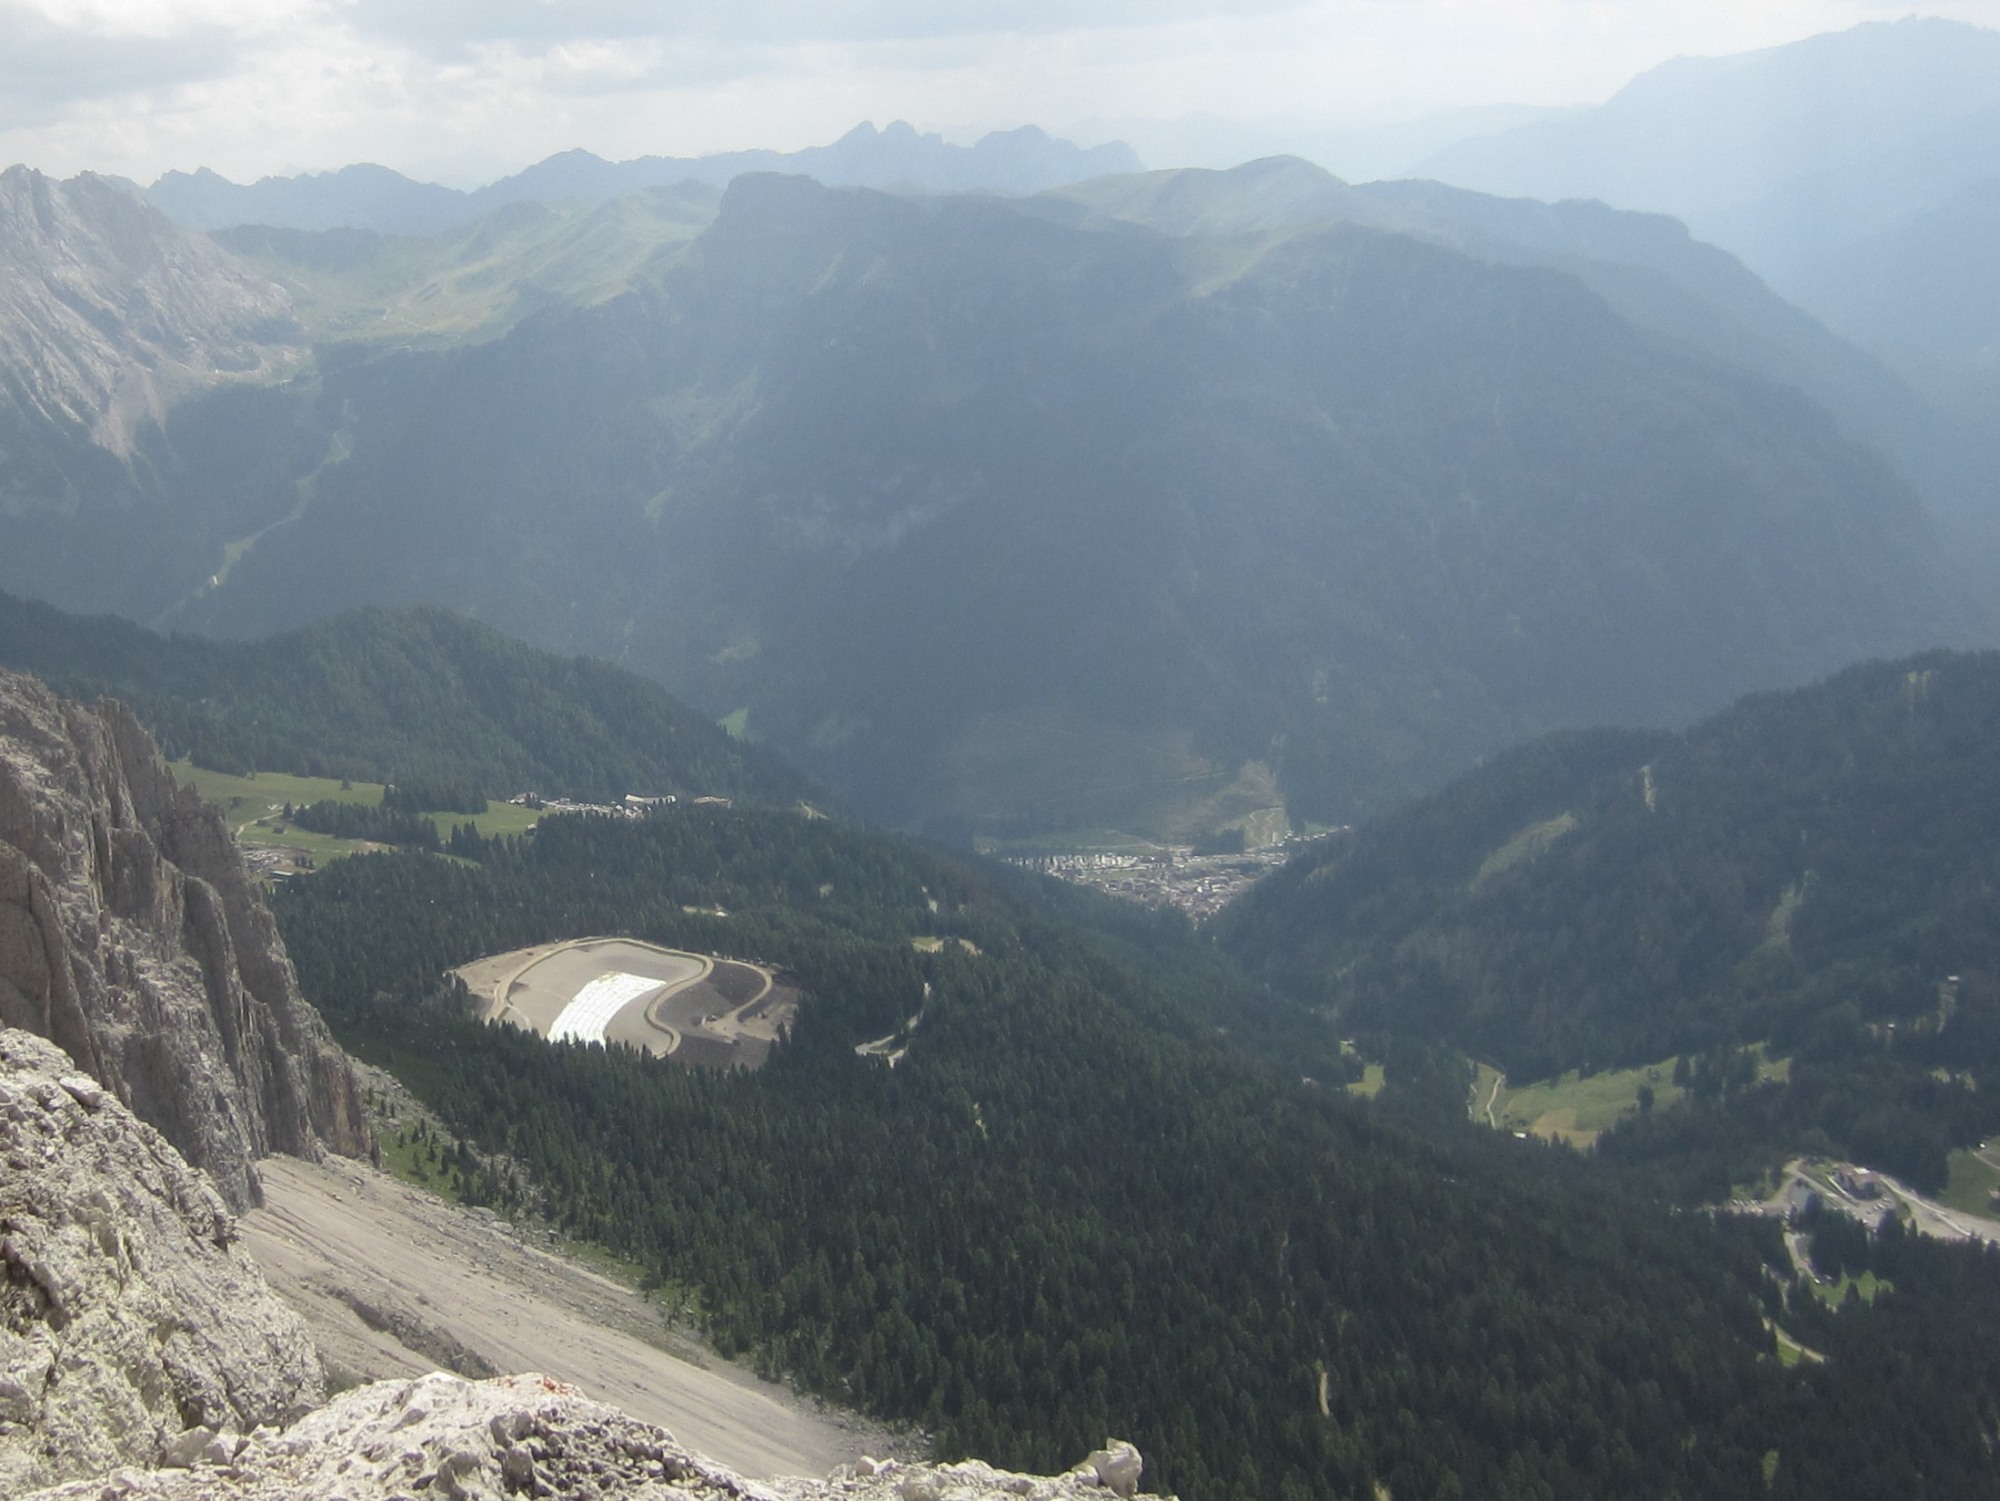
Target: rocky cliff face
128, 1309
132, 937
109, 311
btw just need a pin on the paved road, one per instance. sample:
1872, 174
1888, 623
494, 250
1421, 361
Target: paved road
1926, 1214
336, 1235
1946, 1224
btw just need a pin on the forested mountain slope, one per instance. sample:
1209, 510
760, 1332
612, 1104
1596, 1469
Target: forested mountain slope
1012, 516
990, 514
1809, 869
1068, 1209
420, 695
1645, 265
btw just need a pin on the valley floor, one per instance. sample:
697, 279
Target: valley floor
394, 1281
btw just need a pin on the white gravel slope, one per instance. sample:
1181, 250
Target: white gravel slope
396, 1282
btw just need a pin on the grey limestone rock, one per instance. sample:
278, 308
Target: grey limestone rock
523, 1435
1116, 1466
132, 937
129, 1311
110, 312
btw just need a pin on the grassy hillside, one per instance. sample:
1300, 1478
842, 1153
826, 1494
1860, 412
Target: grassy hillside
256, 807
352, 285
1808, 870
412, 696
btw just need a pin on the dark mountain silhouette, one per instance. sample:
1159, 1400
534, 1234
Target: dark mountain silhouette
380, 695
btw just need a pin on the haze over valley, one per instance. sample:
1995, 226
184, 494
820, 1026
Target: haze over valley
1290, 803
1148, 503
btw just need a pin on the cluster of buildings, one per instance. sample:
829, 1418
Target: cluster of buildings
1200, 885
631, 805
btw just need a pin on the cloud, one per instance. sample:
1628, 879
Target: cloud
457, 28
254, 86
47, 66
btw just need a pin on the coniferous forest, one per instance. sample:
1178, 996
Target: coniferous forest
445, 707
1074, 1207
1810, 871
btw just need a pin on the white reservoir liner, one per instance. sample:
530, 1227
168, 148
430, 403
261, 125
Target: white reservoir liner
591, 1009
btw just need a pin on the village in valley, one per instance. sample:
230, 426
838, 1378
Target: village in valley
1168, 876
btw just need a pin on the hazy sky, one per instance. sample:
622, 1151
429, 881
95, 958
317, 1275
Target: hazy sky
471, 88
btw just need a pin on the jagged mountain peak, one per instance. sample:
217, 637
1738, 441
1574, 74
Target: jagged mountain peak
132, 937
110, 312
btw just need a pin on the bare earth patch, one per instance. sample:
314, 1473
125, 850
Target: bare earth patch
698, 1009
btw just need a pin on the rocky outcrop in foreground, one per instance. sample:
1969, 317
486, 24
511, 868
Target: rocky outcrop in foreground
132, 937
140, 1347
128, 1309
530, 1436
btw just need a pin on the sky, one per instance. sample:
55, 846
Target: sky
466, 90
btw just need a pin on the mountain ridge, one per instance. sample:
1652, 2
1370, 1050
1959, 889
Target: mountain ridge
1646, 265
744, 454
1867, 95
833, 401
1799, 871
1024, 160
108, 313
420, 694
1839, 168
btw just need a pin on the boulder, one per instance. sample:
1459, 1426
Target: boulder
523, 1435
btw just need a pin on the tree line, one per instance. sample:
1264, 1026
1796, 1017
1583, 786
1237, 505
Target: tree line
1808, 870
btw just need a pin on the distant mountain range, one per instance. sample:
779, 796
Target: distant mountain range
1025, 160
1770, 152
1646, 266
996, 513
1855, 171
1148, 503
